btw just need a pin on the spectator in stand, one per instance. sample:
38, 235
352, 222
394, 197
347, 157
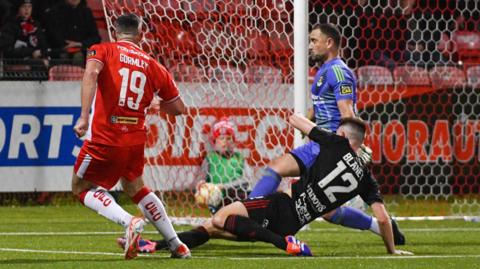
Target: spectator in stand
225, 167
23, 41
4, 11
71, 29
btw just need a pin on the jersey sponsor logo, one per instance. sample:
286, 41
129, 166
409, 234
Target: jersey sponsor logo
265, 223
123, 120
153, 211
320, 81
91, 53
346, 89
317, 205
302, 211
102, 197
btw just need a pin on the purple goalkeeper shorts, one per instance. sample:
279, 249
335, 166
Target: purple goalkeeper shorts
306, 154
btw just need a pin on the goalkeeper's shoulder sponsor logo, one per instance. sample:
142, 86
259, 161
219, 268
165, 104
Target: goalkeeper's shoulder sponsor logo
320, 81
346, 89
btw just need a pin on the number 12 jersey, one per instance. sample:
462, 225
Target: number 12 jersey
335, 177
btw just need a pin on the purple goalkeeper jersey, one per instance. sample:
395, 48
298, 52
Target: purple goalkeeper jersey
334, 81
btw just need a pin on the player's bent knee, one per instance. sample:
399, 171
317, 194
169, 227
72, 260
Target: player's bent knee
285, 165
218, 221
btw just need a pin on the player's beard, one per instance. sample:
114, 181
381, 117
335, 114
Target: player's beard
316, 60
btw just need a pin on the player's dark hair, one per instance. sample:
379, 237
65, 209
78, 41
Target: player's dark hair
356, 127
127, 24
331, 31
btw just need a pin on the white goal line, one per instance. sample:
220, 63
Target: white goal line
384, 257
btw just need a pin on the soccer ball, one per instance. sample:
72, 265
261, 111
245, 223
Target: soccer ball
208, 194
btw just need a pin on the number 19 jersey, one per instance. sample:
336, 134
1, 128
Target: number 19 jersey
125, 88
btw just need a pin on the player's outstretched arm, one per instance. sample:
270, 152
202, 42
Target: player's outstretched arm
301, 123
89, 85
380, 212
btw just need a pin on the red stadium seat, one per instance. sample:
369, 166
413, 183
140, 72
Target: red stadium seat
238, 7
447, 77
187, 73
65, 72
411, 75
226, 73
467, 45
374, 75
173, 40
212, 40
96, 7
264, 74
473, 76
275, 9
199, 9
281, 40
104, 35
259, 45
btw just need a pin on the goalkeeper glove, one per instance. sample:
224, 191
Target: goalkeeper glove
365, 154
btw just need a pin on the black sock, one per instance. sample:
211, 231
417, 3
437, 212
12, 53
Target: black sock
192, 238
244, 228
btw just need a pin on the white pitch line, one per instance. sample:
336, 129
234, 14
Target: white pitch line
65, 252
71, 233
413, 230
358, 257
244, 258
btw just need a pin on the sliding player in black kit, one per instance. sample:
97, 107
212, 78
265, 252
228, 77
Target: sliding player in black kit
336, 176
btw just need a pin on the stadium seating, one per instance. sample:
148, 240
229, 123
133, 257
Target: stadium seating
447, 77
467, 45
264, 74
199, 9
225, 73
259, 45
239, 7
104, 34
211, 39
374, 75
473, 76
173, 40
281, 43
187, 73
411, 75
65, 72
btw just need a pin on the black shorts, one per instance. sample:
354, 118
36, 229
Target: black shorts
276, 212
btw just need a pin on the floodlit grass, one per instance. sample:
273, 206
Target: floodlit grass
51, 236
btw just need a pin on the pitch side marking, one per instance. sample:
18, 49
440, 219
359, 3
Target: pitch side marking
243, 258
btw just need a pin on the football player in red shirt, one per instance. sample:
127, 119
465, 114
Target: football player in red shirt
119, 83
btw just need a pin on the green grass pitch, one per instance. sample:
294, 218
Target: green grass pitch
75, 237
